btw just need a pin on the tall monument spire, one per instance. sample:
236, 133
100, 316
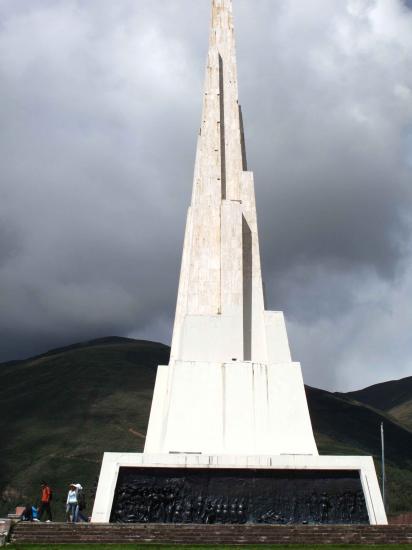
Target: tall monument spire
231, 385
220, 126
220, 284
229, 421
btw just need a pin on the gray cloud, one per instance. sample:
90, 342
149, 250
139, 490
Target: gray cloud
99, 108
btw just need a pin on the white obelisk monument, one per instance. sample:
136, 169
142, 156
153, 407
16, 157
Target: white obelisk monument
231, 395
231, 386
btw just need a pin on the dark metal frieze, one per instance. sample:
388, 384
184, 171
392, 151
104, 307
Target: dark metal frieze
207, 496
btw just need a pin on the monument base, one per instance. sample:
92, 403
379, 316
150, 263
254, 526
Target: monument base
282, 489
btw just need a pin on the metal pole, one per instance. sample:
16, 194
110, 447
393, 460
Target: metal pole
383, 467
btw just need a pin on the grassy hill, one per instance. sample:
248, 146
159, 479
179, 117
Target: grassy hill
345, 426
393, 397
60, 411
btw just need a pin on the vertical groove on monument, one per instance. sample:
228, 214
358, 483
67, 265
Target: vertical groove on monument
247, 290
231, 386
222, 127
242, 140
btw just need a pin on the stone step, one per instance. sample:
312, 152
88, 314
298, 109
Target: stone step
211, 528
224, 528
211, 534
202, 527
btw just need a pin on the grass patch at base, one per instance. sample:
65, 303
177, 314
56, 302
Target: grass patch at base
207, 547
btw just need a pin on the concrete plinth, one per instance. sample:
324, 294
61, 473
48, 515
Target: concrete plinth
113, 462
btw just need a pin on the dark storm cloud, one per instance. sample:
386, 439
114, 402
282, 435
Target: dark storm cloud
327, 141
100, 105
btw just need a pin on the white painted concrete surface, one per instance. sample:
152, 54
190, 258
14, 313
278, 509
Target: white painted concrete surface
220, 276
230, 408
231, 386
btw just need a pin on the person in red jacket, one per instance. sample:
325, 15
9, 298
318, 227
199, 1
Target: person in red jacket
46, 497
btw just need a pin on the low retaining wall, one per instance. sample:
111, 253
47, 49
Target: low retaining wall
210, 534
401, 519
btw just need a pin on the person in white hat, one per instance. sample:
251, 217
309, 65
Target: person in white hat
71, 503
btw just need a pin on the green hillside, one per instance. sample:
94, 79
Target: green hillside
393, 397
60, 411
344, 426
403, 413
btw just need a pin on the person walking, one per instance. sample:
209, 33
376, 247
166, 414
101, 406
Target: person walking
46, 497
71, 504
81, 503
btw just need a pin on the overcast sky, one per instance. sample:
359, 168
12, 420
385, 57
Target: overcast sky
100, 103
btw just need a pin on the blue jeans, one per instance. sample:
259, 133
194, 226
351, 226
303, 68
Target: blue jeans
71, 510
80, 515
